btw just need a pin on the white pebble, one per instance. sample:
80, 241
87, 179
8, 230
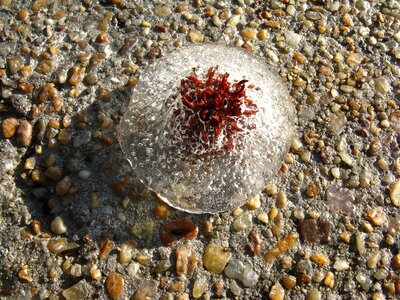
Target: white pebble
84, 174
58, 226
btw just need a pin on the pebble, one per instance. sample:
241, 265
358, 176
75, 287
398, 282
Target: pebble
133, 269
143, 230
200, 286
254, 203
63, 186
313, 294
146, 290
340, 199
281, 247
234, 269
354, 59
249, 278
248, 34
382, 85
95, 273
292, 38
377, 216
243, 222
115, 285
78, 291
58, 226
9, 127
126, 251
215, 258
195, 36
84, 174
314, 231
329, 279
54, 173
24, 133
341, 265
395, 193
60, 245
277, 292
162, 11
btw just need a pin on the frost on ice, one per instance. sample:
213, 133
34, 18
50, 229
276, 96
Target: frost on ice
189, 175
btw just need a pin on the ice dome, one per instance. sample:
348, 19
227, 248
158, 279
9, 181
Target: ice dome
199, 156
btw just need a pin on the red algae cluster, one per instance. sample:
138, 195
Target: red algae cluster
214, 109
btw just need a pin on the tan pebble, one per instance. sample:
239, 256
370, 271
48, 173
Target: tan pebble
281, 247
24, 133
329, 279
289, 281
313, 190
347, 19
38, 177
195, 36
24, 275
262, 34
60, 245
58, 226
354, 59
177, 287
38, 5
95, 273
115, 285
276, 292
395, 193
63, 186
319, 259
345, 237
215, 258
126, 252
271, 189
273, 213
272, 24
45, 66
281, 200
9, 127
200, 286
377, 216
248, 34
373, 260
254, 203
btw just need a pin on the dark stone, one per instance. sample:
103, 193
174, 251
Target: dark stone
314, 231
40, 193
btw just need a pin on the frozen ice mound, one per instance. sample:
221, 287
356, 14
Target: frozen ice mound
189, 177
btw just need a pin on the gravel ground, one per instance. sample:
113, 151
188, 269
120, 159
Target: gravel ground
76, 224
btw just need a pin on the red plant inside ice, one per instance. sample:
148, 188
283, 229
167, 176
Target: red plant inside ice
215, 109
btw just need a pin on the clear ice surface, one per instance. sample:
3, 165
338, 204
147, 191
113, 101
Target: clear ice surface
198, 181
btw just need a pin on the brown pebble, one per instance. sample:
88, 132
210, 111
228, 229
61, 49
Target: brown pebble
396, 261
102, 38
45, 66
161, 212
63, 186
254, 244
155, 52
77, 75
25, 87
46, 92
106, 246
24, 133
176, 230
9, 127
313, 190
38, 177
35, 227
115, 285
377, 216
219, 288
299, 58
